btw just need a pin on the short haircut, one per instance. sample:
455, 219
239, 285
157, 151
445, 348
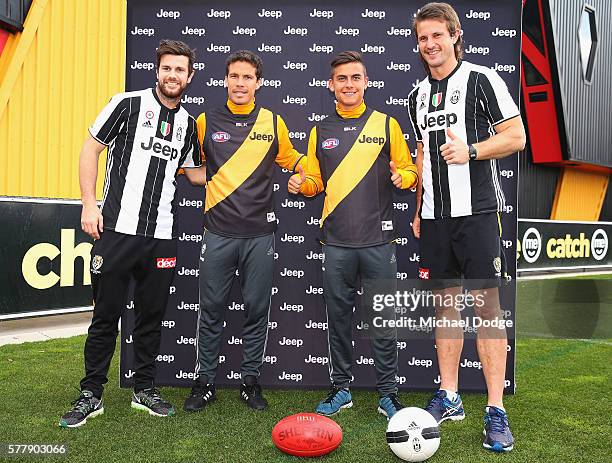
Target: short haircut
175, 47
246, 56
441, 12
347, 57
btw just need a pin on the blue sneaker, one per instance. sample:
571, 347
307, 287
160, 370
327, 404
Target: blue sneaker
337, 399
389, 405
498, 436
443, 409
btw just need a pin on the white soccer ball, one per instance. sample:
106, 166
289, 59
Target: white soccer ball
413, 434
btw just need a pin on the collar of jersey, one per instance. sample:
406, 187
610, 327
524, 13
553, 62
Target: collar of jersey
240, 108
431, 79
178, 105
353, 113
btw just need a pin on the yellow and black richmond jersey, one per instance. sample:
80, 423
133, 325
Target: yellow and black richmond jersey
348, 157
240, 145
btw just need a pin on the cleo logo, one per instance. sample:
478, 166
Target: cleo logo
166, 262
330, 143
221, 137
424, 273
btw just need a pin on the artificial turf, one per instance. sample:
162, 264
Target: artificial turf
560, 413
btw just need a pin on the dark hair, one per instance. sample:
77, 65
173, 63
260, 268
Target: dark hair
445, 13
246, 56
347, 57
175, 47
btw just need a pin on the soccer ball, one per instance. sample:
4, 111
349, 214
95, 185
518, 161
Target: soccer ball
413, 434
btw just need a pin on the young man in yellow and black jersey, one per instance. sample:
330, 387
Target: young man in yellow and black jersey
356, 156
240, 141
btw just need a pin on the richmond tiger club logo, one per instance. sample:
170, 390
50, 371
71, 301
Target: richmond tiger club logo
330, 143
96, 264
220, 137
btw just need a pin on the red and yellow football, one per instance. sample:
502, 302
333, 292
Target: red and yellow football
307, 435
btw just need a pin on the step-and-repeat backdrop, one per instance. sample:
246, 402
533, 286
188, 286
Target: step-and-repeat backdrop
297, 41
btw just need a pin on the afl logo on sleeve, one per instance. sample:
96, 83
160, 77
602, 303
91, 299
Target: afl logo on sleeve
221, 137
330, 143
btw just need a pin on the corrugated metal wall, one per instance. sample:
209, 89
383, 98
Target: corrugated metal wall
537, 187
580, 195
586, 107
64, 66
606, 209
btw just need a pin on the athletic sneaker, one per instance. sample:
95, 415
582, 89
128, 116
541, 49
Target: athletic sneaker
498, 436
389, 405
444, 409
250, 392
201, 396
150, 401
85, 406
337, 399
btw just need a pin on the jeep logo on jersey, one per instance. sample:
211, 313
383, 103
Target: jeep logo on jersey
158, 148
376, 140
221, 137
436, 99
330, 143
261, 136
164, 128
166, 262
438, 122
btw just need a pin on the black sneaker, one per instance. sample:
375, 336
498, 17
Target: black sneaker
250, 392
201, 396
150, 401
85, 406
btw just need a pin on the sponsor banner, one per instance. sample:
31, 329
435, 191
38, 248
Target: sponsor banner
557, 245
296, 43
46, 257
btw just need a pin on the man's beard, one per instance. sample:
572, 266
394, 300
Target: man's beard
171, 95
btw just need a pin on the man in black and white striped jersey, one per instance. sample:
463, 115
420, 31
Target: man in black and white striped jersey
464, 120
149, 136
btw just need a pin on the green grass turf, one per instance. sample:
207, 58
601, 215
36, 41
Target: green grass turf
560, 413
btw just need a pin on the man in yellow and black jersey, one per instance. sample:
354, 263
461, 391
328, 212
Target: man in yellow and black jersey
240, 141
356, 156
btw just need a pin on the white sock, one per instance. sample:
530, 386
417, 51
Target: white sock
451, 395
501, 408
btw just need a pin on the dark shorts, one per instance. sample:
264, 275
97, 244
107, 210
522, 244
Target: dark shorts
461, 251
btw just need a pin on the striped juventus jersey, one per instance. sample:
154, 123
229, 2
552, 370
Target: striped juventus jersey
471, 101
147, 143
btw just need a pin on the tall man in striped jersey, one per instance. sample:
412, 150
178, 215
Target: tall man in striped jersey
464, 120
356, 156
149, 137
241, 142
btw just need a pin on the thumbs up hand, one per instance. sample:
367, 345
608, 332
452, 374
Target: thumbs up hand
296, 180
455, 150
396, 178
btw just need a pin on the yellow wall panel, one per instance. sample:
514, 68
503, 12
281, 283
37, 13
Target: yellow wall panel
580, 195
66, 73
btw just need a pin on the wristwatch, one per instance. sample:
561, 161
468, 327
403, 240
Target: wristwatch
473, 152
